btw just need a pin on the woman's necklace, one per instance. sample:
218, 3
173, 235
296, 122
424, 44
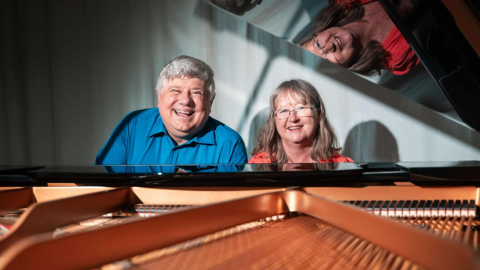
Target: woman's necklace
384, 23
373, 13
383, 26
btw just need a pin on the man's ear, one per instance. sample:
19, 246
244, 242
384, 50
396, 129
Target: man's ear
211, 101
158, 97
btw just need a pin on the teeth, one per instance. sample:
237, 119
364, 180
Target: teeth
184, 112
292, 128
339, 42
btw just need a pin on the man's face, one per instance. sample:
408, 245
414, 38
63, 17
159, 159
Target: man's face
184, 106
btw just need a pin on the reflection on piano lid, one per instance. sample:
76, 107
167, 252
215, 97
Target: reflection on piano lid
202, 175
445, 37
442, 170
279, 175
447, 41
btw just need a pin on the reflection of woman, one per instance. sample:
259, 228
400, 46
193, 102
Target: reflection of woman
298, 130
292, 167
359, 35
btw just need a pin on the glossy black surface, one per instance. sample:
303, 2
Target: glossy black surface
440, 164
446, 54
204, 175
15, 170
443, 171
275, 175
201, 168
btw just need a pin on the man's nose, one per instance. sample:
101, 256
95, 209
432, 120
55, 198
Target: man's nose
185, 98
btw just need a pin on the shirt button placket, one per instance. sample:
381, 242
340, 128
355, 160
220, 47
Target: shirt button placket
175, 155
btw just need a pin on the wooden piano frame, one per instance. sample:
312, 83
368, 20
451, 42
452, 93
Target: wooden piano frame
30, 242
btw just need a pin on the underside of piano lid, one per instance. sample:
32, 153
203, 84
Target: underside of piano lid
447, 41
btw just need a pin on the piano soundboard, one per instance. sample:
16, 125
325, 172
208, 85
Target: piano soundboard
364, 223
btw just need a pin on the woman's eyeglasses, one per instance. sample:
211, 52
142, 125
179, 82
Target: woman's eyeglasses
325, 53
318, 45
299, 111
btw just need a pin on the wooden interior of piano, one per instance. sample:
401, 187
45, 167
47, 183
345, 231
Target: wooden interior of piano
376, 227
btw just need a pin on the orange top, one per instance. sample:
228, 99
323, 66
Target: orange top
263, 157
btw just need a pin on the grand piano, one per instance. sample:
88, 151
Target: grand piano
390, 215
347, 215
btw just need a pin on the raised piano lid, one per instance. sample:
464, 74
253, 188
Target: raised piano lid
446, 39
447, 42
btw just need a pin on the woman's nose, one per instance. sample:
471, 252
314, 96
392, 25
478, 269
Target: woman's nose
329, 47
293, 117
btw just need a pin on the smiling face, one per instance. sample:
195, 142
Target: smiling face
337, 44
295, 129
184, 106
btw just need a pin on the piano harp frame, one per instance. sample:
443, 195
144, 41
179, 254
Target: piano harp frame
76, 204
104, 245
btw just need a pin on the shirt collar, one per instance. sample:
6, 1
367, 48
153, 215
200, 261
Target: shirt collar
205, 136
158, 127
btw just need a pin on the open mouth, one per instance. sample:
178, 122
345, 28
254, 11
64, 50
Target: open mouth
339, 42
183, 113
294, 128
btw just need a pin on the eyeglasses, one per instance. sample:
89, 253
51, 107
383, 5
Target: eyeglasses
317, 44
330, 57
299, 111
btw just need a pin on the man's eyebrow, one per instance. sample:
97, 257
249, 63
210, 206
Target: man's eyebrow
198, 88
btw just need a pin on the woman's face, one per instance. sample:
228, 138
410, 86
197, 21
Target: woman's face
336, 44
296, 129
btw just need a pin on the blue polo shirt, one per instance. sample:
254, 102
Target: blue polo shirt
141, 138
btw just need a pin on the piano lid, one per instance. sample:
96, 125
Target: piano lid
265, 175
306, 174
447, 41
444, 36
442, 171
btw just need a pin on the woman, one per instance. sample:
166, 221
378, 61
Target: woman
298, 130
359, 35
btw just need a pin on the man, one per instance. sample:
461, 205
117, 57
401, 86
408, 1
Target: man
180, 130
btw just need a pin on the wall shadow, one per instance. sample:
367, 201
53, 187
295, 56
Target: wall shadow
371, 142
255, 125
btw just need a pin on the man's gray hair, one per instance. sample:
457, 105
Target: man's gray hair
186, 66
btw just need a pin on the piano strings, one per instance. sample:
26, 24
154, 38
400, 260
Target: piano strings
296, 240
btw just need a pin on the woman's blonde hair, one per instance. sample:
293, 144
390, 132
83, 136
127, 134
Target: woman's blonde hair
269, 141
